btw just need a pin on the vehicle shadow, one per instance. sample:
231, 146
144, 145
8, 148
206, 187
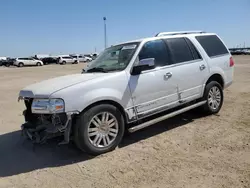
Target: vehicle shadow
161, 127
17, 155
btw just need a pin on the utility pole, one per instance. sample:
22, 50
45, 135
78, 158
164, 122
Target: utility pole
105, 32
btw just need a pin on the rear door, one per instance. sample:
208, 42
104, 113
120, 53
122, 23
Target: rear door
189, 69
70, 59
26, 61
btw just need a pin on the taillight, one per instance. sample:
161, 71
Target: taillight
231, 64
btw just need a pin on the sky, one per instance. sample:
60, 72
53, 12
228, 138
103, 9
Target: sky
30, 27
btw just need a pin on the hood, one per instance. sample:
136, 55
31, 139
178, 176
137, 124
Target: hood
45, 88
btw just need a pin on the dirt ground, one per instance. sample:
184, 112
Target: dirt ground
189, 150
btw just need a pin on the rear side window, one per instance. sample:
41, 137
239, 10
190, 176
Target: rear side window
212, 45
180, 50
155, 49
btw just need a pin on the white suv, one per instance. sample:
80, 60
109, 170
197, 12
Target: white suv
67, 59
171, 73
20, 62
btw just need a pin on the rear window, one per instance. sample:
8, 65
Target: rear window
212, 45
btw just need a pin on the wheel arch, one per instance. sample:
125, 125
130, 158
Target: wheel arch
216, 77
111, 102
19, 63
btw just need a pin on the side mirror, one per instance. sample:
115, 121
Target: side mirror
144, 64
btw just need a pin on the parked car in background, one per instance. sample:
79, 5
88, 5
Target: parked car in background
240, 52
94, 56
89, 57
3, 58
8, 62
81, 58
41, 56
67, 59
246, 52
49, 60
27, 61
1, 62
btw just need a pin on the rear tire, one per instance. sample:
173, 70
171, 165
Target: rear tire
20, 64
99, 130
214, 96
64, 62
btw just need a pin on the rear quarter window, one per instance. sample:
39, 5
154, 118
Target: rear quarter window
212, 45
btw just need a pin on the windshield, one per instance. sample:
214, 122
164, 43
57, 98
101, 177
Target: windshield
115, 58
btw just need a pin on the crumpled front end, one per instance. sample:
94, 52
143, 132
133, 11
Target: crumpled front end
41, 127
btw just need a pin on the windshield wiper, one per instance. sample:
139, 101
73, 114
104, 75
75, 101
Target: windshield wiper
97, 69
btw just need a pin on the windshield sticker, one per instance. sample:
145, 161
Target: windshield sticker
130, 47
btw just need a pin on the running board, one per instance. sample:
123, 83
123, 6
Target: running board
164, 117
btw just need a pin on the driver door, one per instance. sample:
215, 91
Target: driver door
154, 90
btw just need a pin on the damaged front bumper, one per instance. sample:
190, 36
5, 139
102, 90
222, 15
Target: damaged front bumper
39, 127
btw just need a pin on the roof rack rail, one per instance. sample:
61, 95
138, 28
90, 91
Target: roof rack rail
177, 33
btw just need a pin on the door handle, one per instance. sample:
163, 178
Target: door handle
202, 67
168, 75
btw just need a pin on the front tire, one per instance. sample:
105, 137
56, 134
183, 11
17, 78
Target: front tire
38, 64
214, 96
99, 130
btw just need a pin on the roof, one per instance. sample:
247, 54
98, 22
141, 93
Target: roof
170, 35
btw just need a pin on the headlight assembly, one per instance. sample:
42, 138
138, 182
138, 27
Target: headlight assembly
47, 106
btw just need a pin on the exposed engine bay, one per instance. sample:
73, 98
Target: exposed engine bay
41, 127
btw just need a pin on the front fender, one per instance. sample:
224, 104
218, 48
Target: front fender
98, 95
78, 100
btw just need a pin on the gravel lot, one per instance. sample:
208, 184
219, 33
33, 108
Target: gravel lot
189, 150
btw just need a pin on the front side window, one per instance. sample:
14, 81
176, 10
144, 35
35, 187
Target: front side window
155, 49
180, 50
115, 58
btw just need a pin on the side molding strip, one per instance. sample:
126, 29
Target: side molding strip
164, 117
